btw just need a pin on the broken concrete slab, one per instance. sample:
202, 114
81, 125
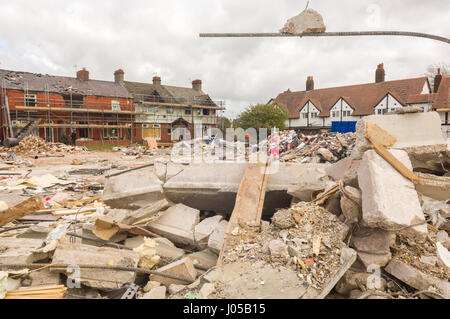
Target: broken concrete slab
422, 144
183, 268
372, 246
133, 189
156, 293
205, 258
204, 229
39, 231
389, 200
173, 169
173, 289
215, 241
307, 21
177, 224
417, 279
213, 186
78, 254
21, 250
160, 170
146, 212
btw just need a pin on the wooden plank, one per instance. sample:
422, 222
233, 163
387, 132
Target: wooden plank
249, 202
27, 207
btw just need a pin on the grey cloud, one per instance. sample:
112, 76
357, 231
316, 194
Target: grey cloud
161, 37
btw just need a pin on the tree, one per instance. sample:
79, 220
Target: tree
432, 71
223, 123
264, 116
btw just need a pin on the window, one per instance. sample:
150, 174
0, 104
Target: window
304, 115
150, 109
115, 105
199, 112
187, 112
169, 131
346, 113
83, 132
109, 132
381, 111
205, 111
314, 115
169, 110
335, 114
30, 100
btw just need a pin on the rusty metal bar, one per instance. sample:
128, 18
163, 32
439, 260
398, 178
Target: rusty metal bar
327, 34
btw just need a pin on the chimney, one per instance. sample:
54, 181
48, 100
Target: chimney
380, 74
197, 85
83, 75
437, 80
309, 83
156, 80
119, 76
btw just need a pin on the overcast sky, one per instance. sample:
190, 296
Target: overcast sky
146, 37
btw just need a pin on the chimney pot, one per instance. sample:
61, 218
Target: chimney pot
197, 85
83, 75
119, 76
437, 80
380, 74
156, 80
309, 83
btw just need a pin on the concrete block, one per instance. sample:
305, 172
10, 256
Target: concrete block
423, 142
156, 293
173, 289
20, 250
164, 249
372, 246
213, 186
204, 229
134, 242
205, 258
215, 241
39, 231
146, 211
417, 279
133, 189
177, 224
160, 170
183, 268
389, 200
76, 254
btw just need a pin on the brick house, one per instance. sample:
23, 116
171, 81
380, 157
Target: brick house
316, 109
166, 107
101, 112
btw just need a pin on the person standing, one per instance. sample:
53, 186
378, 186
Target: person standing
73, 137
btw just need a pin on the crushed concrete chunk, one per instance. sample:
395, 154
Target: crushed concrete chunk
205, 258
307, 21
146, 211
389, 200
372, 246
351, 203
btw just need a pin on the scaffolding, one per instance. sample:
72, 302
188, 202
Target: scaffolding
58, 115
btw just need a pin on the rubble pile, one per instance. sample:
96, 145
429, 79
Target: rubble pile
366, 223
321, 148
34, 145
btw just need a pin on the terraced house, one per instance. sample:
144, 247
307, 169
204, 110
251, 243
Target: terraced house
167, 107
317, 109
100, 112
